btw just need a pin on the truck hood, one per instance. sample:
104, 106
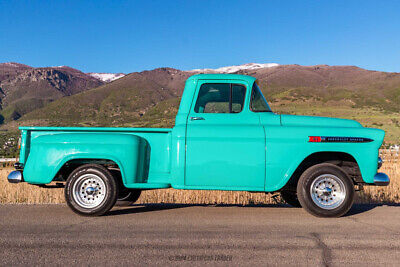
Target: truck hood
295, 120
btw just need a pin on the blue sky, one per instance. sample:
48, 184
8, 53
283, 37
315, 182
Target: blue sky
127, 36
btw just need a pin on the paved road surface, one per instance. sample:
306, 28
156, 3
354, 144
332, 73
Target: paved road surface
196, 235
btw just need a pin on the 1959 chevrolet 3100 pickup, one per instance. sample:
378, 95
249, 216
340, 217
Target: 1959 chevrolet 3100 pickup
225, 138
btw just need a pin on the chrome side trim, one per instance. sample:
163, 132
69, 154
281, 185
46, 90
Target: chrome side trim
15, 177
381, 179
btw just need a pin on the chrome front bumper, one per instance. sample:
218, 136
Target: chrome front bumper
15, 177
381, 179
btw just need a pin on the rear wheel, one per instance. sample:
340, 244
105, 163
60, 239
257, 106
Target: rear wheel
127, 197
325, 190
91, 190
290, 197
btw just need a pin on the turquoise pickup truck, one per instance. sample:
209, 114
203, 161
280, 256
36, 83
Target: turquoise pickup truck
225, 138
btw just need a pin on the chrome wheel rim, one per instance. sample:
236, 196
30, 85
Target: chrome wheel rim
328, 191
89, 191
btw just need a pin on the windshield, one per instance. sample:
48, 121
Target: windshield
257, 102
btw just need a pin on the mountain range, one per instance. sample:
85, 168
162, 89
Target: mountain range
62, 96
24, 89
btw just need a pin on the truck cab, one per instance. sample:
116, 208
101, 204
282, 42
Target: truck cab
225, 138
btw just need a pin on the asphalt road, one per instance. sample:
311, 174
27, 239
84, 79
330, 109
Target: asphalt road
197, 235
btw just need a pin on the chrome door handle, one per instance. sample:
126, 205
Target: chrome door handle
196, 118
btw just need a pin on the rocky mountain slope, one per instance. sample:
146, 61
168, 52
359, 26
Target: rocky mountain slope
11, 69
117, 103
359, 86
24, 89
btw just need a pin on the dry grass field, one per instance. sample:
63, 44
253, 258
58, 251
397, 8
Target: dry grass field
24, 193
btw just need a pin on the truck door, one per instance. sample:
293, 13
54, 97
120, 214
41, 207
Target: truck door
225, 141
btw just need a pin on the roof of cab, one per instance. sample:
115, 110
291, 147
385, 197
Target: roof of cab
222, 77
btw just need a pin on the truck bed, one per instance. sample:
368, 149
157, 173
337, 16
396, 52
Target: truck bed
155, 158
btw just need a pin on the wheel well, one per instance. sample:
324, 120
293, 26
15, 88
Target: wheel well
344, 160
69, 166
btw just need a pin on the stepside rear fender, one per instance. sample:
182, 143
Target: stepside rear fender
49, 152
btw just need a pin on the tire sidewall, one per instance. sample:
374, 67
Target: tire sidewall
304, 195
111, 190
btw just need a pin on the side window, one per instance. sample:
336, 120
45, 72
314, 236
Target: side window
220, 98
257, 101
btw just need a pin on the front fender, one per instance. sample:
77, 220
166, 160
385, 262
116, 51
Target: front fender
287, 147
48, 153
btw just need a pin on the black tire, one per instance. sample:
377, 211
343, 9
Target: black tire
84, 183
290, 197
312, 202
127, 197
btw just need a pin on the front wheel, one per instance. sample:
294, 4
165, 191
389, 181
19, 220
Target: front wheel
91, 190
325, 190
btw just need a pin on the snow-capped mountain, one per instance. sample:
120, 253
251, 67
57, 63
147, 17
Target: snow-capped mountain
107, 77
13, 64
236, 68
